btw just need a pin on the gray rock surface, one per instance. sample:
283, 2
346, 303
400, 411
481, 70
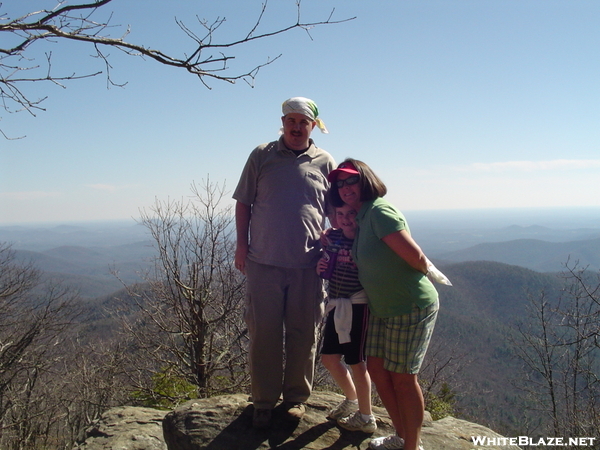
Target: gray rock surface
126, 428
225, 423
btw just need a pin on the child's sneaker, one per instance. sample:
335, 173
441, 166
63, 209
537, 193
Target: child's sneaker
355, 422
344, 409
392, 442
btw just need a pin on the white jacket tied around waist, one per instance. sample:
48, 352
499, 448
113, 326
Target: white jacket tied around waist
342, 316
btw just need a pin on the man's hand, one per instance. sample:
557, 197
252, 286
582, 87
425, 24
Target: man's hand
324, 238
242, 224
241, 252
322, 266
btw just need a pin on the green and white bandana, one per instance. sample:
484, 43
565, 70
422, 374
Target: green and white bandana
306, 107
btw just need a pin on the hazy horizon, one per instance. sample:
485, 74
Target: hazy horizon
551, 217
453, 104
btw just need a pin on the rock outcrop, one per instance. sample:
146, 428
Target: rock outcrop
225, 423
126, 428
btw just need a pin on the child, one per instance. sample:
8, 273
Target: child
345, 327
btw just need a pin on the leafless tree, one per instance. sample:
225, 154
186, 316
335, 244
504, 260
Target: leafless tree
440, 377
560, 351
85, 382
189, 323
538, 349
90, 24
34, 315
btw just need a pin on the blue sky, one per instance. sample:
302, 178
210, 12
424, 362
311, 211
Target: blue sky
455, 104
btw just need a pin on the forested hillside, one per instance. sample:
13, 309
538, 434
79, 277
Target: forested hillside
477, 320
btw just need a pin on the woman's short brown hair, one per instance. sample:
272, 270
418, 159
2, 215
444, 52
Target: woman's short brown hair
370, 184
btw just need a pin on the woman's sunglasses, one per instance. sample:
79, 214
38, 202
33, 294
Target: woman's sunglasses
348, 181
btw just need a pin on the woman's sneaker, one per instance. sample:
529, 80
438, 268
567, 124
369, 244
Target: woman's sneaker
355, 422
344, 409
392, 442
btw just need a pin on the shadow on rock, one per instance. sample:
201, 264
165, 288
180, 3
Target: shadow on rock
346, 440
240, 435
225, 423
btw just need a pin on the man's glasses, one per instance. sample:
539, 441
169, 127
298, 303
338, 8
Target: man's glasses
348, 181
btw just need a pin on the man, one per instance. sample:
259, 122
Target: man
280, 212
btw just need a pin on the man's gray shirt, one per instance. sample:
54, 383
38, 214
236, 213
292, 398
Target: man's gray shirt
287, 196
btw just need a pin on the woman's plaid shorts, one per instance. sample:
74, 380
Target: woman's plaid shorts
402, 340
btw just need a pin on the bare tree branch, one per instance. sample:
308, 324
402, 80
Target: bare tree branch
75, 22
35, 314
558, 346
188, 317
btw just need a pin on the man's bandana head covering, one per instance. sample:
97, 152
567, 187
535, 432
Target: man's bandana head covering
306, 107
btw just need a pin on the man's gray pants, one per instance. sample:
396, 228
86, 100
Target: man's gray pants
284, 308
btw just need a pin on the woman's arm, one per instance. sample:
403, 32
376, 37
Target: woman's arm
406, 248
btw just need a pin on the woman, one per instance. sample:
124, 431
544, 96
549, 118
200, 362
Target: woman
403, 302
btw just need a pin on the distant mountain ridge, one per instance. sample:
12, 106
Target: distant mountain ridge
90, 270
45, 237
534, 254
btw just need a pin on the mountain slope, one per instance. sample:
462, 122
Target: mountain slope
478, 318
